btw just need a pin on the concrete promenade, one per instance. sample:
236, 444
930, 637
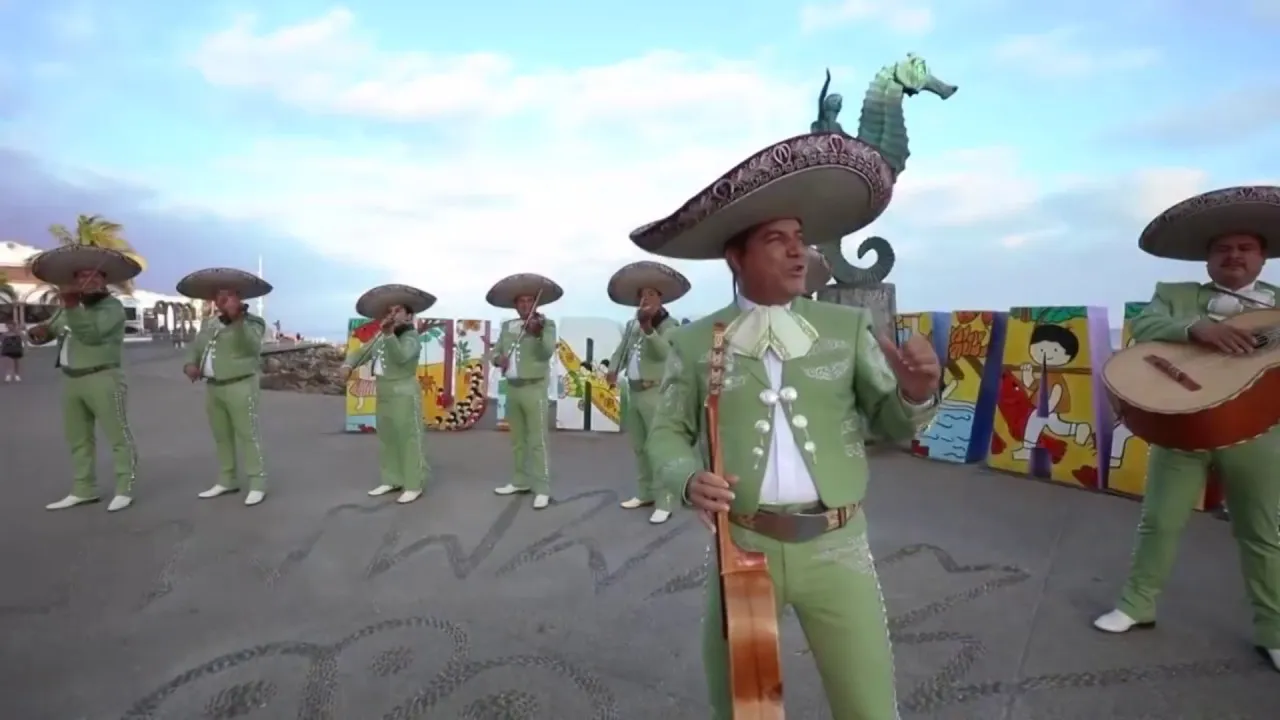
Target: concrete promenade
324, 604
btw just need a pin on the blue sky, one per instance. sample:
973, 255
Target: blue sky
449, 145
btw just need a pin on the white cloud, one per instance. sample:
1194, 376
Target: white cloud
908, 17
1059, 53
548, 169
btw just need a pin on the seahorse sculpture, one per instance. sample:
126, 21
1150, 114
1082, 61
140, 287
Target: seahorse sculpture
883, 125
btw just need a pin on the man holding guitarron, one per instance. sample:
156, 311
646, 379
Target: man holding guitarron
1234, 230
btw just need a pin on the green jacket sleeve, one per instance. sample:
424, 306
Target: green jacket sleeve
621, 350
246, 334
673, 443
657, 344
400, 349
51, 328
97, 325
547, 345
876, 391
196, 349
357, 357
1157, 321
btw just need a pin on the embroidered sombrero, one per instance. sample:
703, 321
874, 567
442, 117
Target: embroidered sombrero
205, 284
626, 284
503, 294
832, 183
1184, 231
375, 302
819, 273
60, 265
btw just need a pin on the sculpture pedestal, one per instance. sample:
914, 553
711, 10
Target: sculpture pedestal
881, 299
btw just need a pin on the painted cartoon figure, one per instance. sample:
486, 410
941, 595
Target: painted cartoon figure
1051, 349
1121, 435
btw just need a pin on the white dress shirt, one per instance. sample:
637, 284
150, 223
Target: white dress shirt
1223, 306
786, 478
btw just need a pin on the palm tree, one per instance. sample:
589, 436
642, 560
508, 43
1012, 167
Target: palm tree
100, 232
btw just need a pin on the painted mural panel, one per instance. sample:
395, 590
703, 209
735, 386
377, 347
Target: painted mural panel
362, 397
584, 400
456, 349
1051, 422
933, 327
972, 363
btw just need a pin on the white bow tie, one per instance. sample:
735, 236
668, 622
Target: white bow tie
764, 328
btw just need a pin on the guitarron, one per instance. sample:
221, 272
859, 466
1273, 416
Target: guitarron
746, 589
1188, 397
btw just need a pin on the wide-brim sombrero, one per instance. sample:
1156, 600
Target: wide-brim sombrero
503, 294
626, 284
205, 284
1184, 231
60, 265
375, 302
819, 273
833, 184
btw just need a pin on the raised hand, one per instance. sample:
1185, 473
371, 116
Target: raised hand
915, 365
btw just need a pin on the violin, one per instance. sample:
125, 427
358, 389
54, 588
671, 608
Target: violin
746, 589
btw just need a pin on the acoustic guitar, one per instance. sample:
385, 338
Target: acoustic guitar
1184, 396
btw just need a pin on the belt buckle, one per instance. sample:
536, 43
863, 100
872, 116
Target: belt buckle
806, 526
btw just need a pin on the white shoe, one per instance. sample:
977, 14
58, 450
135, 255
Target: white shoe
541, 501
408, 496
1117, 622
1273, 655
633, 504
382, 490
254, 497
215, 491
70, 501
8, 378
119, 502
509, 489
660, 516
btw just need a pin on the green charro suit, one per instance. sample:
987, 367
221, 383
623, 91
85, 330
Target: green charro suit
831, 580
92, 339
650, 352
529, 372
1176, 480
229, 360
401, 459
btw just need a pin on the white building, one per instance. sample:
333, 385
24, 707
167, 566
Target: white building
148, 312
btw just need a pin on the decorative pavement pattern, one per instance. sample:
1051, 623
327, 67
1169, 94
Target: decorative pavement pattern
323, 604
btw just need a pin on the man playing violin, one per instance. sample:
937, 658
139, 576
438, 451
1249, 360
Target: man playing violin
227, 356
798, 374
393, 355
90, 329
641, 355
1233, 231
523, 355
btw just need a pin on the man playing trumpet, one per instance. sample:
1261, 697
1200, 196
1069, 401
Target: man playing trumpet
394, 356
89, 328
642, 353
525, 348
227, 356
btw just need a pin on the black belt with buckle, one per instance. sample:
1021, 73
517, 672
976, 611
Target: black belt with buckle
638, 385
796, 527
85, 372
229, 381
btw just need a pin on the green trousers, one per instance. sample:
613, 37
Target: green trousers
233, 418
527, 406
831, 582
641, 406
401, 460
102, 398
1250, 474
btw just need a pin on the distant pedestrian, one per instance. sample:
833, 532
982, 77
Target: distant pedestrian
11, 348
